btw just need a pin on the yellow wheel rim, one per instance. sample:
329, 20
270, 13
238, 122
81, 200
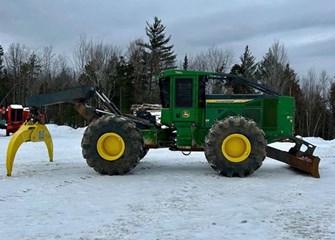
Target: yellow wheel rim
110, 146
236, 147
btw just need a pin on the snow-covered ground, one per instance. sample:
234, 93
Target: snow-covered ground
167, 196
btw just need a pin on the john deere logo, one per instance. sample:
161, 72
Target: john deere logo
186, 114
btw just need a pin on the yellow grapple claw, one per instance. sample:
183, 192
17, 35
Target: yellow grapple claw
28, 132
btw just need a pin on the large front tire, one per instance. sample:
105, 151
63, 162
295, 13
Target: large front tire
235, 147
112, 145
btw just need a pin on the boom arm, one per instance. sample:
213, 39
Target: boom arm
78, 96
232, 79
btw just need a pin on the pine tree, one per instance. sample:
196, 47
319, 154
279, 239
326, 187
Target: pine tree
266, 68
185, 64
271, 68
160, 54
332, 107
248, 65
88, 76
292, 88
246, 69
1, 61
124, 71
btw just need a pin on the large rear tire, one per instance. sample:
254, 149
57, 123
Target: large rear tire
144, 153
112, 145
235, 147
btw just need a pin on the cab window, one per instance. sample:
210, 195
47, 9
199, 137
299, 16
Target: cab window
184, 92
164, 85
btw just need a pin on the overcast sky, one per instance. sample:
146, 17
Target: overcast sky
306, 28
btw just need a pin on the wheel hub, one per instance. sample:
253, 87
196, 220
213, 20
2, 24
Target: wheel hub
110, 146
236, 147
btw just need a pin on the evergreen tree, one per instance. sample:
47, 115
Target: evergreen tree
271, 68
236, 69
185, 64
248, 65
62, 113
246, 69
332, 108
160, 54
332, 97
124, 71
292, 88
266, 68
1, 61
89, 75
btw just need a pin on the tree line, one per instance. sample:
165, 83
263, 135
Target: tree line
127, 76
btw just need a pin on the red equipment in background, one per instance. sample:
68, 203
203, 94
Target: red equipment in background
14, 116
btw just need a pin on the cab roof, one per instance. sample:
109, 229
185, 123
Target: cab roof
177, 72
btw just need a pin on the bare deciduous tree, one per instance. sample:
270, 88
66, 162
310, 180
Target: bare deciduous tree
81, 53
96, 61
16, 55
214, 59
316, 92
47, 60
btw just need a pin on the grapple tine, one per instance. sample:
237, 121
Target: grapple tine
22, 135
29, 131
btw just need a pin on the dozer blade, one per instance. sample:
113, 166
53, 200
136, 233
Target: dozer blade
304, 161
29, 131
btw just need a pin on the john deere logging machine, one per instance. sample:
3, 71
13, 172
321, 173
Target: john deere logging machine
233, 130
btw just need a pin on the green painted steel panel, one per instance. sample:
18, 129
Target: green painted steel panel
273, 114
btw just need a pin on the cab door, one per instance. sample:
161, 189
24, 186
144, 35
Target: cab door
184, 99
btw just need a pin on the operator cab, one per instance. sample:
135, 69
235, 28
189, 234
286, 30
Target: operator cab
182, 95
183, 103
